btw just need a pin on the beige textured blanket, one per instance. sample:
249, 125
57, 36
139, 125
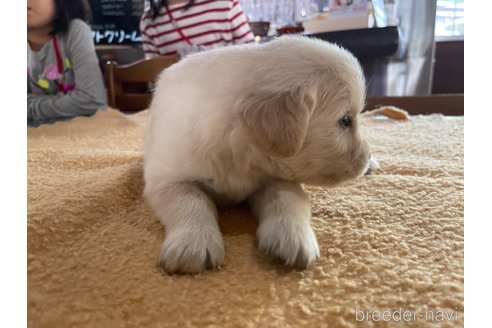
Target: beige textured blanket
391, 243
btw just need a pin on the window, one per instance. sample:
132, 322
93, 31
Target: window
450, 18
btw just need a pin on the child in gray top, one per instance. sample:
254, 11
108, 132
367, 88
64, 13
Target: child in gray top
63, 75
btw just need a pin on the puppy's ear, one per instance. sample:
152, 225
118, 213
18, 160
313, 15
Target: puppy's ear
278, 121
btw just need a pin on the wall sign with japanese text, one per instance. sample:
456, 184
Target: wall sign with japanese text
116, 21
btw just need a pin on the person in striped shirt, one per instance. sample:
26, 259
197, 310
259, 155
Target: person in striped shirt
186, 26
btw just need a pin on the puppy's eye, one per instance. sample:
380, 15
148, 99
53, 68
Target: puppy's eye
345, 122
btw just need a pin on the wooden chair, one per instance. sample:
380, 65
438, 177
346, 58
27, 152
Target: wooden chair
128, 85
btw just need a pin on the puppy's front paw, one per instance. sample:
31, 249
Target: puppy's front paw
296, 244
192, 250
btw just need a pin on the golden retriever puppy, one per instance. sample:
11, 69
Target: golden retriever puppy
252, 123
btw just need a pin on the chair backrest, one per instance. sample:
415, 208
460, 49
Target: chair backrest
142, 73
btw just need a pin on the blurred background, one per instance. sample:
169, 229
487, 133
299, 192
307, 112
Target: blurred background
406, 47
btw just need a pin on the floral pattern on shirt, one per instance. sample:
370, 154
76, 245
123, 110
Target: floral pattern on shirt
50, 81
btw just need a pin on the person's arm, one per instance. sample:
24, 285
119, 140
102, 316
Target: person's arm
148, 45
89, 94
241, 31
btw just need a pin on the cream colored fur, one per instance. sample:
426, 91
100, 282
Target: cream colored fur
252, 123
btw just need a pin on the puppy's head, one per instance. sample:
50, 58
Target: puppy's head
304, 112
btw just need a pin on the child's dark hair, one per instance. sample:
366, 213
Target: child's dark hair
66, 11
156, 6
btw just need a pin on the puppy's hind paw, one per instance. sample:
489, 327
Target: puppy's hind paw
297, 246
192, 252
